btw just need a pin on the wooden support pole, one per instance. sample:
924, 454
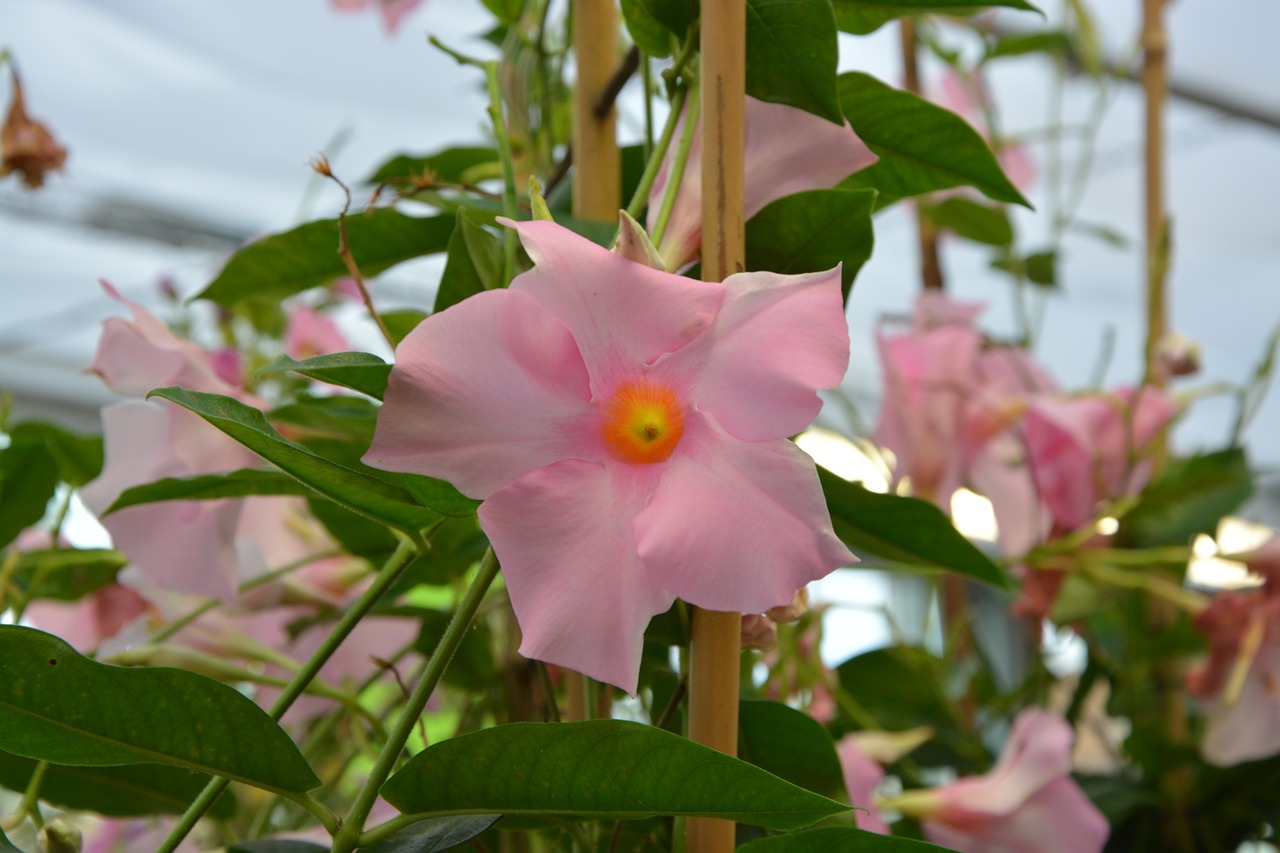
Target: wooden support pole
716, 641
596, 162
930, 264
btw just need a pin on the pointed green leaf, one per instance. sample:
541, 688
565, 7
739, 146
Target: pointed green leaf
648, 33
789, 744
901, 687
281, 265
838, 839
66, 574
904, 530
360, 492
865, 16
1191, 496
474, 262
79, 457
599, 769
433, 836
812, 232
130, 790
28, 479
922, 147
791, 55
59, 707
211, 487
401, 323
359, 371
451, 165
973, 220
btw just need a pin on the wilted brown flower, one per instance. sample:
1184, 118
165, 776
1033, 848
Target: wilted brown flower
27, 146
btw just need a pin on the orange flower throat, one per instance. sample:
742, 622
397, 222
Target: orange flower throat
643, 422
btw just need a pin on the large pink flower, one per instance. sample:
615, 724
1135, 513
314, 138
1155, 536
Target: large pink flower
1028, 803
787, 151
1091, 448
627, 431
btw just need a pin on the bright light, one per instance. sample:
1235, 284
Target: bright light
973, 515
842, 457
1235, 535
1107, 526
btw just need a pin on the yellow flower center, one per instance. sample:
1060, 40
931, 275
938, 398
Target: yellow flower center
643, 422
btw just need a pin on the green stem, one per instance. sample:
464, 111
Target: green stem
391, 571
348, 837
654, 164
677, 169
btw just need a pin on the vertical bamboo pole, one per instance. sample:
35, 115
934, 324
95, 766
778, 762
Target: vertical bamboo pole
930, 266
596, 170
713, 682
1155, 87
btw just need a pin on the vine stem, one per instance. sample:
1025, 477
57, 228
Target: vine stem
391, 571
715, 646
349, 835
930, 266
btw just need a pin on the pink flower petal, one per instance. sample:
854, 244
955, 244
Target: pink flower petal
310, 333
1056, 818
592, 290
777, 340
483, 393
736, 525
580, 592
861, 776
1038, 750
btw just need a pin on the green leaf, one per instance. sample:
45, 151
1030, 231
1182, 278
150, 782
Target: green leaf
1191, 496
211, 487
1053, 42
838, 839
598, 769
401, 323
904, 530
812, 232
474, 262
450, 165
900, 687
277, 845
648, 33
973, 220
865, 16
79, 457
506, 11
363, 493
5, 845
789, 744
59, 707
922, 147
433, 836
792, 54
130, 790
355, 533
359, 371
284, 264
1038, 267
66, 574
28, 479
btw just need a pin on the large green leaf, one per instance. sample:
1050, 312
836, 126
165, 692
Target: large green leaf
864, 16
211, 487
790, 744
79, 457
454, 165
359, 492
59, 707
922, 147
1190, 497
813, 231
284, 264
473, 265
838, 839
904, 530
28, 478
129, 790
359, 371
647, 31
973, 220
432, 836
66, 574
602, 769
791, 55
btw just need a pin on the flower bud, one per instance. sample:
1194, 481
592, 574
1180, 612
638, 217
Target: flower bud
27, 146
759, 632
791, 612
58, 836
1178, 355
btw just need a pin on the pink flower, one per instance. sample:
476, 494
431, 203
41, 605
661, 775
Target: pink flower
310, 333
862, 775
1240, 682
787, 151
393, 11
1087, 449
626, 429
1027, 803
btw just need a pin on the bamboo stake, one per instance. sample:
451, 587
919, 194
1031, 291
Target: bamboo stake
597, 193
716, 639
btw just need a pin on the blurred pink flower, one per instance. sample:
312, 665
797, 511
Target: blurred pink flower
787, 151
393, 11
1090, 448
627, 431
1027, 803
862, 775
1240, 682
311, 333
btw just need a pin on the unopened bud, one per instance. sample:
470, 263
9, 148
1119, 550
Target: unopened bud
759, 632
1178, 355
320, 165
26, 146
791, 612
58, 836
